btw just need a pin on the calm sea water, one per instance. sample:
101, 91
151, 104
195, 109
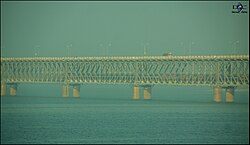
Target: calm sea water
100, 120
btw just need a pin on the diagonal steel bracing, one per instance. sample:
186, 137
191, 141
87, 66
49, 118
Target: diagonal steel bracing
147, 70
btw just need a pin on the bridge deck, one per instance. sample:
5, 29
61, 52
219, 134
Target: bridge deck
226, 57
166, 70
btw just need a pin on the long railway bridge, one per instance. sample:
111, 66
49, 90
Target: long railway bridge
220, 72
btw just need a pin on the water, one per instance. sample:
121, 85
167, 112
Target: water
107, 120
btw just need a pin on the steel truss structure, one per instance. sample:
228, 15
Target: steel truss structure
147, 70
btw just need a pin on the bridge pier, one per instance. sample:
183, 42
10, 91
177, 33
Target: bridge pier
217, 94
3, 89
136, 92
65, 90
13, 89
147, 92
76, 90
230, 94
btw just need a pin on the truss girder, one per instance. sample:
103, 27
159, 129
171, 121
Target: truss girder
233, 72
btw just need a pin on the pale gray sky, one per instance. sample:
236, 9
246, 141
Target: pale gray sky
122, 28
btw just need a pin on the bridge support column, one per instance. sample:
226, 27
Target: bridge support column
217, 94
3, 89
65, 90
136, 92
13, 89
76, 90
147, 92
230, 94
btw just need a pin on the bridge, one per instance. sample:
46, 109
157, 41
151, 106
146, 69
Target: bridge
220, 72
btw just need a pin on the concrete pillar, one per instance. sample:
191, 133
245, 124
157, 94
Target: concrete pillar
65, 91
13, 89
147, 92
136, 92
3, 89
76, 90
217, 94
230, 94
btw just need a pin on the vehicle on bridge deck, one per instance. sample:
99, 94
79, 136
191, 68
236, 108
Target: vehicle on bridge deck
167, 54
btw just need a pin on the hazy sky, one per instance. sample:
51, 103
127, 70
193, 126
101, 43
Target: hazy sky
122, 28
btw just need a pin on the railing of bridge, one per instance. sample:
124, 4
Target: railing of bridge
116, 58
146, 70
